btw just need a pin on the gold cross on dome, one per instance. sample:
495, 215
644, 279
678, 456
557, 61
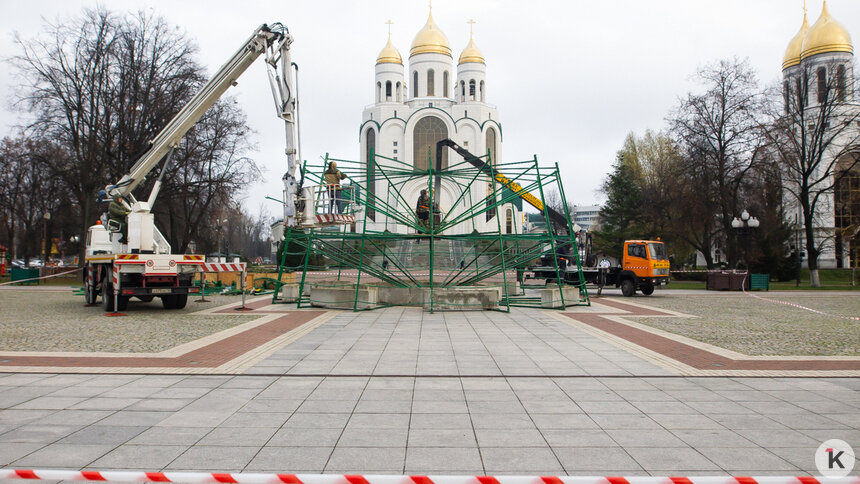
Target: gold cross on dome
471, 23
389, 23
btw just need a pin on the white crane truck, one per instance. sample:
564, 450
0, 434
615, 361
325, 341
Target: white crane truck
144, 266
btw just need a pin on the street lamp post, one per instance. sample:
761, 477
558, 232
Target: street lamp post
226, 240
745, 225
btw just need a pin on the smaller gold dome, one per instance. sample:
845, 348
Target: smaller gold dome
826, 35
792, 52
471, 54
430, 40
389, 54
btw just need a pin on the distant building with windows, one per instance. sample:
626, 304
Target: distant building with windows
585, 215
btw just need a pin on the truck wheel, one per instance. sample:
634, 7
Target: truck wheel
107, 295
627, 288
169, 302
647, 289
90, 291
180, 301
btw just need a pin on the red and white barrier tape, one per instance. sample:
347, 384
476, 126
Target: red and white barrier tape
43, 277
261, 478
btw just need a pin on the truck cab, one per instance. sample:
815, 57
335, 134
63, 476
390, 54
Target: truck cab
645, 265
98, 240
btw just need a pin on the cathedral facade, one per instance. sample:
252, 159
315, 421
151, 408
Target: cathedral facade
416, 106
818, 79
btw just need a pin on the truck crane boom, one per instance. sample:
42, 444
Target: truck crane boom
275, 42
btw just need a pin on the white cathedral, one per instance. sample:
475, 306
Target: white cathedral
408, 118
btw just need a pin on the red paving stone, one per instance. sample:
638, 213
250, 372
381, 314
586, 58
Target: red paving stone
691, 355
210, 356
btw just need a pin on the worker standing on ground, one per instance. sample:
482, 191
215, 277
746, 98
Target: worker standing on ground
422, 209
118, 213
333, 176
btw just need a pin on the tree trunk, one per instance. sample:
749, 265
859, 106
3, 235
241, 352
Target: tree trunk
85, 215
813, 278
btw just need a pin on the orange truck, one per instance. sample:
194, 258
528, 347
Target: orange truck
644, 266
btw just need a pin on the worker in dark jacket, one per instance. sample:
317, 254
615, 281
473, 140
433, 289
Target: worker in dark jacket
118, 213
422, 209
332, 177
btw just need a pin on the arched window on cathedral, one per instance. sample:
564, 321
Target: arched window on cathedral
370, 151
509, 221
445, 83
822, 85
415, 84
472, 90
840, 83
428, 130
482, 91
378, 92
491, 151
786, 95
491, 145
462, 91
431, 82
398, 92
387, 91
800, 94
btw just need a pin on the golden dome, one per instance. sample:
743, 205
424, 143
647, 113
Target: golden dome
826, 35
389, 54
471, 54
430, 40
792, 52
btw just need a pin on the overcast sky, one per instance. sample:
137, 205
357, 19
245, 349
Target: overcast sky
570, 78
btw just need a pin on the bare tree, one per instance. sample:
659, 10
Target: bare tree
101, 86
66, 82
718, 131
30, 198
814, 134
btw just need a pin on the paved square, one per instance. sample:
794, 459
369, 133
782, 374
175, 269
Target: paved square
402, 391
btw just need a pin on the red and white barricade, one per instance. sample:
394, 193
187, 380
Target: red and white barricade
224, 267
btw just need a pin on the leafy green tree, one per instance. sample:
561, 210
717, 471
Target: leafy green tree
621, 215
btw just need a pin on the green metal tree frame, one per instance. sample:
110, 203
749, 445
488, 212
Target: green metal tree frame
406, 253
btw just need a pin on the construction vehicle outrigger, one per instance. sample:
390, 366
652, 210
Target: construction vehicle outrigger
144, 265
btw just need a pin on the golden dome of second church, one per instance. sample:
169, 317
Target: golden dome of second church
826, 35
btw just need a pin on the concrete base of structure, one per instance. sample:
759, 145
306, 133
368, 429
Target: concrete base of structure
462, 298
289, 293
550, 297
339, 295
343, 296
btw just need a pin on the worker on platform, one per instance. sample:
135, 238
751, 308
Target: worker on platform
332, 177
422, 209
119, 214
